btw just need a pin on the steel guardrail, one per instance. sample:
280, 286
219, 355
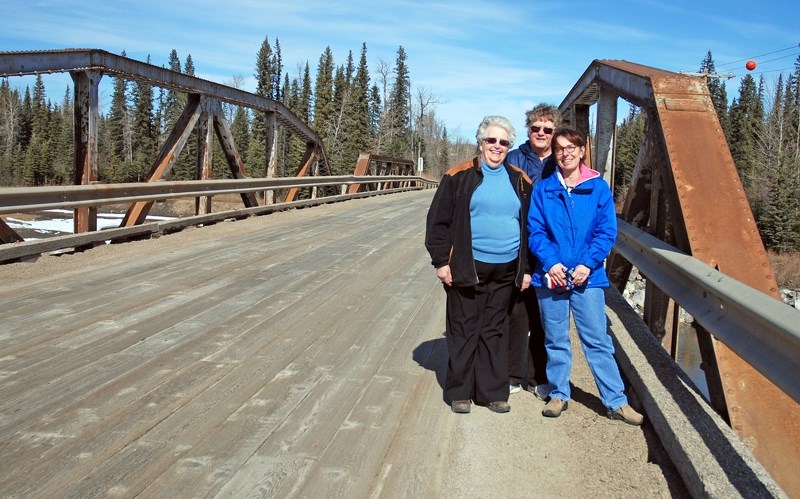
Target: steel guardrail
760, 329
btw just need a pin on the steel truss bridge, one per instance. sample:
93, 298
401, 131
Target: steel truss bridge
685, 222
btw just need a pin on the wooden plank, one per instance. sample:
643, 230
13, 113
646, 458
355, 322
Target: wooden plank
30, 248
300, 355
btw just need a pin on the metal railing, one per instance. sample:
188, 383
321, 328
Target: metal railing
760, 329
32, 199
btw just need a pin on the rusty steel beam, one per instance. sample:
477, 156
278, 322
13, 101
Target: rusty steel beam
169, 152
305, 164
69, 60
693, 195
8, 235
86, 117
231, 153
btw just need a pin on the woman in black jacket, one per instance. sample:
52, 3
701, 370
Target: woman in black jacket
476, 236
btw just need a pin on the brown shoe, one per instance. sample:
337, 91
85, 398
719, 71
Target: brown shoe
499, 406
554, 408
460, 406
626, 414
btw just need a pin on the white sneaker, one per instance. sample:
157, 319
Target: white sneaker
514, 388
542, 392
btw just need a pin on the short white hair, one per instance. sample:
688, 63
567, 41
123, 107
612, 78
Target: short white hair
499, 121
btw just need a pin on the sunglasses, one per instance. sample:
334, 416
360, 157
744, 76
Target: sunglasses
536, 128
493, 140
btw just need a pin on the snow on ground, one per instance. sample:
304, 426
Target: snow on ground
58, 222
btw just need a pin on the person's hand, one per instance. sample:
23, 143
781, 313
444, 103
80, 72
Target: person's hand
558, 273
443, 273
580, 275
526, 282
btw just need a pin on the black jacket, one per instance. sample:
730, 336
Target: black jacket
448, 235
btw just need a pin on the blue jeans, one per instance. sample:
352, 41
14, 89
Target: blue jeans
588, 307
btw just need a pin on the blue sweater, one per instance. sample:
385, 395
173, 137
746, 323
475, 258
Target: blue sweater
494, 215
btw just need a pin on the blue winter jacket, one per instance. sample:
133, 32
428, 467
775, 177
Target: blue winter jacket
526, 159
572, 228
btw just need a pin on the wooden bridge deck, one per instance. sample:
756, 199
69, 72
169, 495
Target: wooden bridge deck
298, 354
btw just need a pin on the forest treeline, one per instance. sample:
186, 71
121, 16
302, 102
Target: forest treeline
762, 126
354, 112
350, 110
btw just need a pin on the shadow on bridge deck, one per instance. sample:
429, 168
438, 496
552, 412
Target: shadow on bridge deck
298, 354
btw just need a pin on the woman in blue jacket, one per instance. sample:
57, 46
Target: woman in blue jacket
572, 227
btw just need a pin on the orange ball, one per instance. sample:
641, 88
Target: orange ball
751, 65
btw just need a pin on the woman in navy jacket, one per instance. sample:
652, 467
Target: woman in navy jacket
572, 227
476, 236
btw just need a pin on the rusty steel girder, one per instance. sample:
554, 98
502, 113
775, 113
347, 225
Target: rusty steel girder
686, 191
203, 110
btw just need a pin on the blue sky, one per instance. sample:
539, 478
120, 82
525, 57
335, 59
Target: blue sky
475, 57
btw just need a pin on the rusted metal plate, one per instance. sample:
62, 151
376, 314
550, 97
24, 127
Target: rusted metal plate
8, 235
722, 232
710, 217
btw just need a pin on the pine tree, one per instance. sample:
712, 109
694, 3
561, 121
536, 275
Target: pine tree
323, 95
746, 119
630, 136
716, 87
120, 147
360, 137
144, 136
186, 164
256, 154
64, 141
305, 104
174, 101
375, 111
399, 145
25, 129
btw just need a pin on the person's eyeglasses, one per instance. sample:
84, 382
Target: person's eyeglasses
493, 140
547, 130
566, 149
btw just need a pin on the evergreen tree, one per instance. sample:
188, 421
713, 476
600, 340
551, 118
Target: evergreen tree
277, 70
265, 64
337, 128
375, 110
186, 164
174, 101
323, 95
746, 120
399, 145
240, 129
716, 87
64, 141
120, 146
630, 136
360, 137
25, 129
38, 165
144, 135
305, 104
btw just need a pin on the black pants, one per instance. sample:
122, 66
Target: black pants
477, 336
527, 358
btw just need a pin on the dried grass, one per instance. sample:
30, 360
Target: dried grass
787, 268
